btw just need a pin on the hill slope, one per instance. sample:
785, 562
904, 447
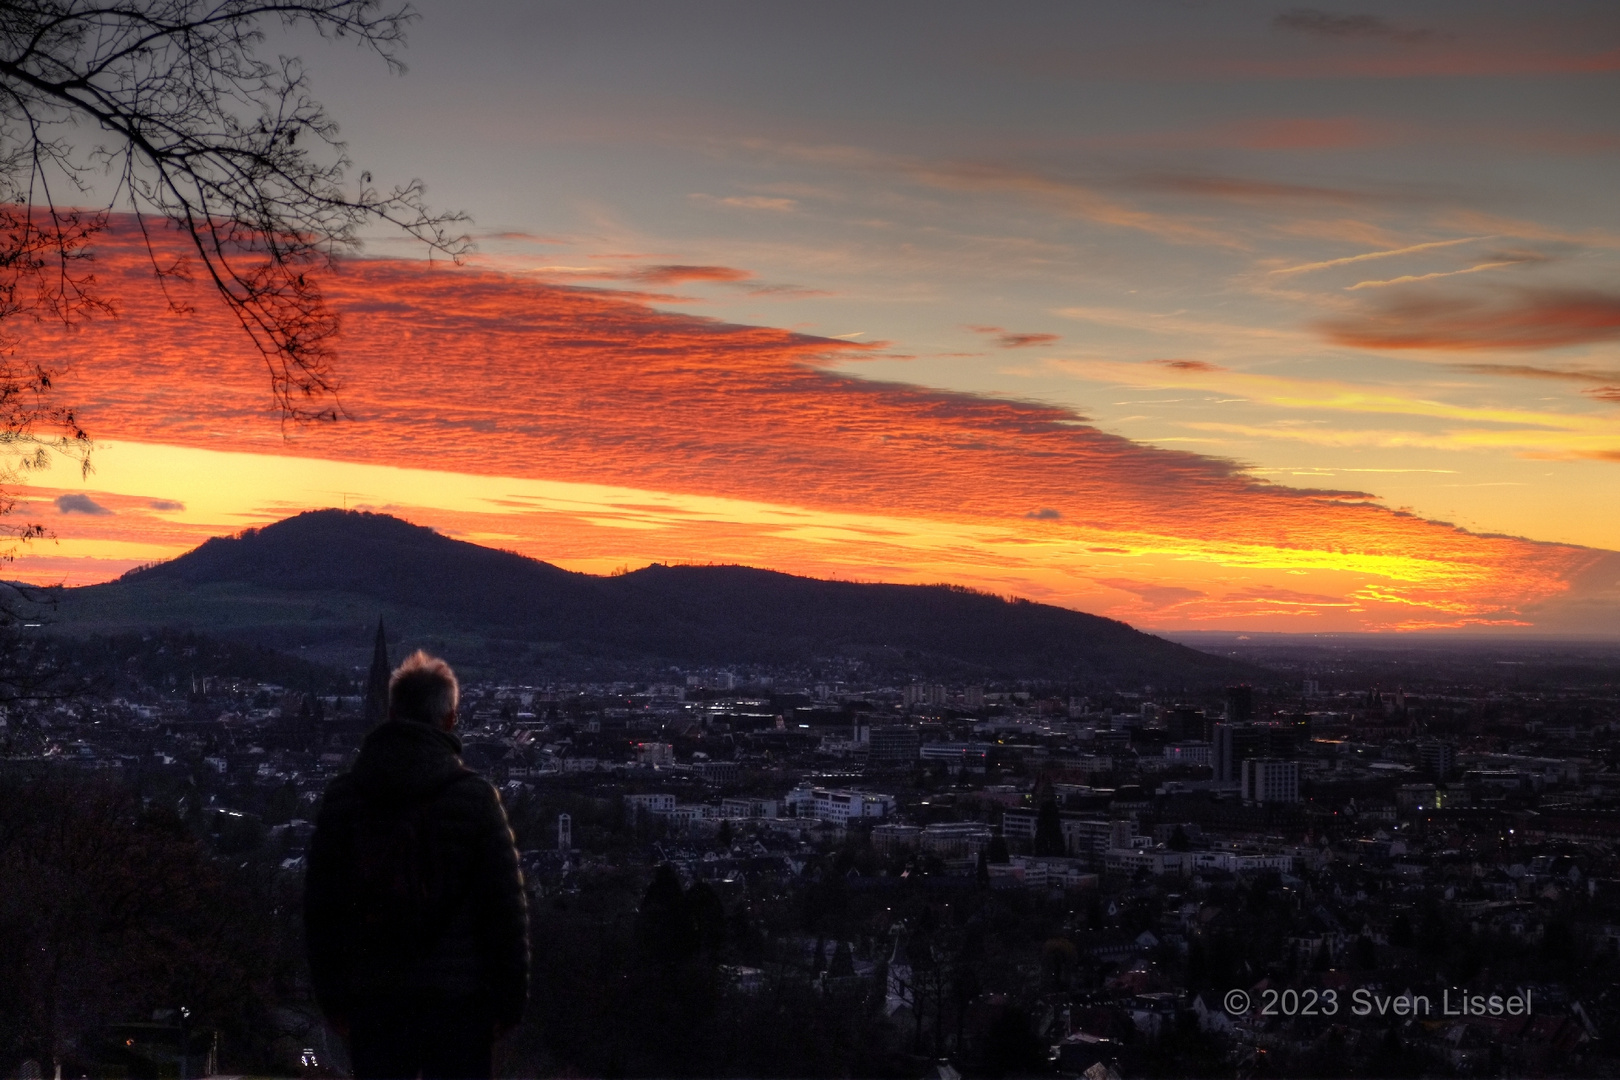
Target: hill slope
319, 580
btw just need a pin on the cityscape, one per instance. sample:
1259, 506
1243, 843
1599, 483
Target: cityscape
1300, 877
779, 541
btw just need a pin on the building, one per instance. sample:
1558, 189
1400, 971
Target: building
955, 839
649, 804
683, 815
892, 746
838, 806
565, 833
1439, 760
1234, 744
718, 772
1183, 722
1270, 780
655, 753
890, 838
749, 808
974, 757
1240, 863
1157, 861
924, 695
1417, 797
1019, 824
1086, 837
375, 709
1189, 753
1239, 703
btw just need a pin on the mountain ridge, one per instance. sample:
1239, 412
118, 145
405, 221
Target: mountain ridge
318, 580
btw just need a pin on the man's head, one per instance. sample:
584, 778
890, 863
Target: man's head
424, 689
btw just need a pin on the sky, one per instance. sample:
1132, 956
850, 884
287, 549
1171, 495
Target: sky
1200, 316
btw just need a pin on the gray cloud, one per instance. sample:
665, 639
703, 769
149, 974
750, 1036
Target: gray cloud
80, 504
1319, 23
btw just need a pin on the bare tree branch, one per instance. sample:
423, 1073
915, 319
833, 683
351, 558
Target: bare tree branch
230, 147
172, 101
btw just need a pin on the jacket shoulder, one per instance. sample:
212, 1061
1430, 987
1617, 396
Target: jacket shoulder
471, 793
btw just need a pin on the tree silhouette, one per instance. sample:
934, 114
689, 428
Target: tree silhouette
203, 139
708, 915
1049, 830
108, 910
665, 929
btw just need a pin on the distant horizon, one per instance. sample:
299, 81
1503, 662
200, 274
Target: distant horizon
1182, 636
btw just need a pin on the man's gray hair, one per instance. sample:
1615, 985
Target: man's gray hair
423, 689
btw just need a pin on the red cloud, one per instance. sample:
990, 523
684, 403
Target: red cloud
1008, 340
1190, 365
1527, 319
480, 372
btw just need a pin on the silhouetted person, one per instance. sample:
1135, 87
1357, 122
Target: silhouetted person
415, 918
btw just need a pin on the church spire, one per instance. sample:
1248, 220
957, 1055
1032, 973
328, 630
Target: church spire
376, 707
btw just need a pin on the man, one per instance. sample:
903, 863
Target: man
415, 918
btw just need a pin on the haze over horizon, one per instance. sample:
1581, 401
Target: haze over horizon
1258, 317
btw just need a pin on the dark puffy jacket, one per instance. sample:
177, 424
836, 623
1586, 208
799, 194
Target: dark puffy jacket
479, 945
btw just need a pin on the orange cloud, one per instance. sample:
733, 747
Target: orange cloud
467, 371
1525, 319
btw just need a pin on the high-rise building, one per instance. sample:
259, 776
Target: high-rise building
1120, 832
1439, 759
1186, 723
1281, 739
565, 833
1233, 745
1270, 780
1239, 703
924, 695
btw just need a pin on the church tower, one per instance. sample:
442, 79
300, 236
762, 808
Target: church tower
375, 710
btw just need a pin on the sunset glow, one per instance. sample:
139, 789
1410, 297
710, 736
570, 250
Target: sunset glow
1228, 366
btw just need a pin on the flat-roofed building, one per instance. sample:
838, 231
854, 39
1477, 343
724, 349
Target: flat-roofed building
892, 746
1270, 780
1189, 753
955, 839
838, 805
